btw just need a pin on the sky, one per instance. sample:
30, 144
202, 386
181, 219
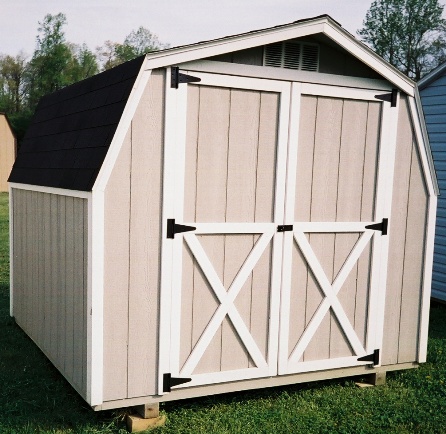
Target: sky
176, 22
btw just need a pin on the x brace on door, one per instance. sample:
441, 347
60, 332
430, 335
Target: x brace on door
226, 299
330, 290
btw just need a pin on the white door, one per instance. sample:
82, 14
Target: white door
272, 269
334, 263
225, 177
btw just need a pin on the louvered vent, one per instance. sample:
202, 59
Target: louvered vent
292, 55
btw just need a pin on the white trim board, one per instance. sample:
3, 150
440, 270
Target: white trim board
51, 190
284, 74
95, 299
324, 25
11, 253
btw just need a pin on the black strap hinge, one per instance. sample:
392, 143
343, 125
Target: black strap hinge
284, 228
169, 382
389, 97
374, 358
176, 77
383, 226
174, 228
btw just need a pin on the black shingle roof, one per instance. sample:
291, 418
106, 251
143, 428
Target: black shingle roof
69, 135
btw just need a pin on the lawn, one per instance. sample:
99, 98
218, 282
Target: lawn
34, 397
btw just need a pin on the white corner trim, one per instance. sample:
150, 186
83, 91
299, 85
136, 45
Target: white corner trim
417, 113
427, 278
95, 299
51, 190
123, 127
11, 252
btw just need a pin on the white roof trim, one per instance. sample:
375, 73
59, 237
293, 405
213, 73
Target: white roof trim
324, 25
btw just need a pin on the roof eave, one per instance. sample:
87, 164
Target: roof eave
324, 24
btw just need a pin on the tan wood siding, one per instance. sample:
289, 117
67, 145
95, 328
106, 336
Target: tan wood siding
49, 275
336, 177
132, 250
7, 151
406, 250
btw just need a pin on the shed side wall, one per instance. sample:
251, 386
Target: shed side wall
50, 277
407, 241
7, 152
132, 249
434, 106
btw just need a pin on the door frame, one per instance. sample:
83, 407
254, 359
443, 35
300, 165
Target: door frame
173, 205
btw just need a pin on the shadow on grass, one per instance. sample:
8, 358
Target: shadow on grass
34, 397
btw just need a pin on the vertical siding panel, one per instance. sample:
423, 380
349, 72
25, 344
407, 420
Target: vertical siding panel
116, 281
29, 283
190, 191
78, 291
351, 164
212, 156
47, 282
397, 236
54, 274
302, 213
61, 287
413, 263
69, 287
264, 212
323, 208
145, 238
41, 267
240, 207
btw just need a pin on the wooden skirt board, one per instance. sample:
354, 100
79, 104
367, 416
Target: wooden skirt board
241, 299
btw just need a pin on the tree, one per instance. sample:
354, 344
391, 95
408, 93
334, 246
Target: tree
409, 34
136, 43
12, 71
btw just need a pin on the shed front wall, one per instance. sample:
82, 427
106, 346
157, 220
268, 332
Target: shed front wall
7, 152
49, 274
133, 243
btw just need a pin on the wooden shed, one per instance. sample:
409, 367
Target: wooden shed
224, 216
8, 149
433, 97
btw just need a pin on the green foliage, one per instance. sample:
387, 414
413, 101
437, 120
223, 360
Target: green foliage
136, 44
57, 63
34, 397
410, 34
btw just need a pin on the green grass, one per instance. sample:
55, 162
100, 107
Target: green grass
34, 397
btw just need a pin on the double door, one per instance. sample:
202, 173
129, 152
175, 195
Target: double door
272, 260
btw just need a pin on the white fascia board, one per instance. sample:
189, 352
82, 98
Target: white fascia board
234, 43
51, 190
370, 58
270, 36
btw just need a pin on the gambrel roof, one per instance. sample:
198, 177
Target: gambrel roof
74, 128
